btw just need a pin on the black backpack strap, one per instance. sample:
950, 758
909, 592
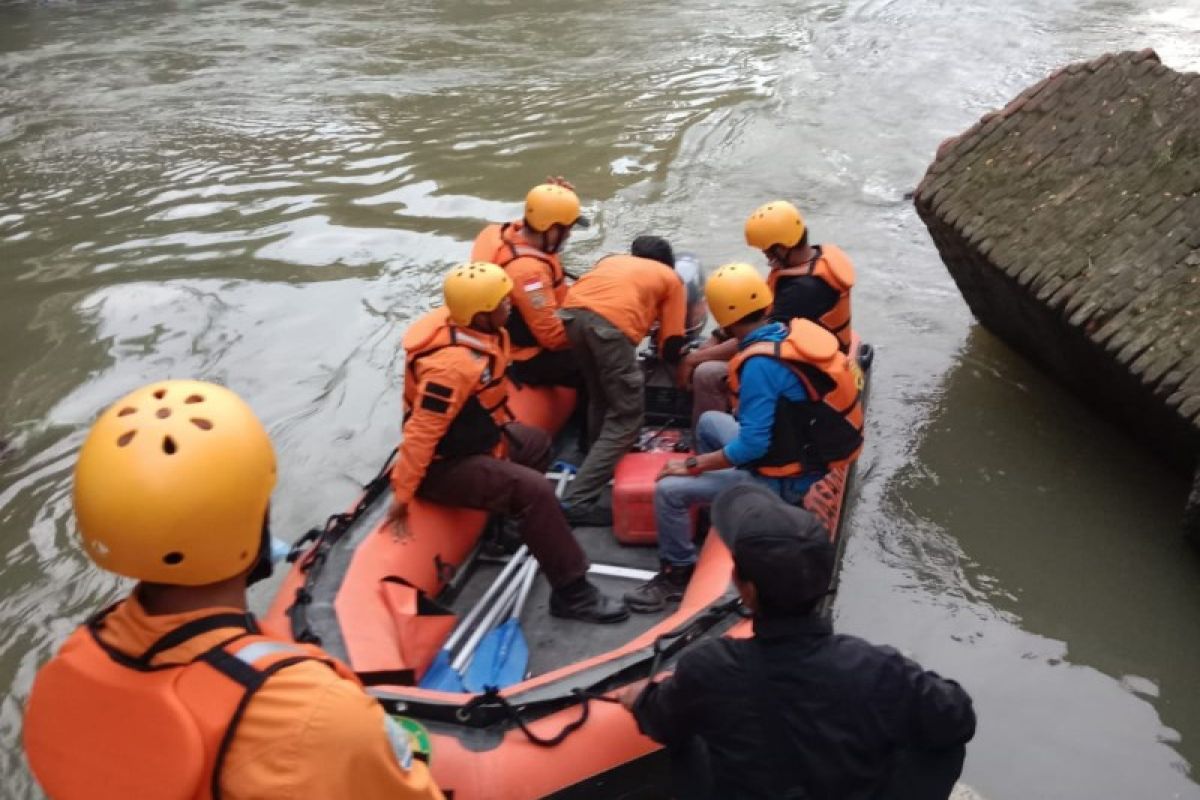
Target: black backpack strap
239, 667
192, 629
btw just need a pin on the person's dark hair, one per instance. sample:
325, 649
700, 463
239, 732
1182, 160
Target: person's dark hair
752, 317
778, 598
803, 239
655, 248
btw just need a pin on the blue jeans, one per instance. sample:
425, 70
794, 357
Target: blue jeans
675, 496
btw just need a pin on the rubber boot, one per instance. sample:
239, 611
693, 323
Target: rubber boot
590, 515
581, 600
666, 587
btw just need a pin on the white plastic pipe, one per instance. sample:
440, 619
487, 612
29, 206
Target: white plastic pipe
486, 624
509, 569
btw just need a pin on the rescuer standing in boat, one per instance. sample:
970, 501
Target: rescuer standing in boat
808, 281
528, 250
174, 691
462, 448
797, 711
799, 415
607, 313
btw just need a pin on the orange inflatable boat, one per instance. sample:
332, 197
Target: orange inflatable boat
386, 606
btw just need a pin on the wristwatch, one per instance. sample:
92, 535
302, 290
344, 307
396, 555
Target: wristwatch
692, 464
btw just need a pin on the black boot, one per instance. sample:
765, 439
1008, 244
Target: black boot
590, 515
666, 587
583, 601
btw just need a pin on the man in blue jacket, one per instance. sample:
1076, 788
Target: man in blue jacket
798, 414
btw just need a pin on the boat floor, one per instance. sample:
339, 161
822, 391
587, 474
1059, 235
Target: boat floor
554, 642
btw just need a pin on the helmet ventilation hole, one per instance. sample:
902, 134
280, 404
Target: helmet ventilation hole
754, 296
172, 558
163, 413
126, 438
194, 398
202, 424
126, 411
169, 446
160, 394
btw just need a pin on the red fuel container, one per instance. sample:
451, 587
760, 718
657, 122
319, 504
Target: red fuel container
633, 496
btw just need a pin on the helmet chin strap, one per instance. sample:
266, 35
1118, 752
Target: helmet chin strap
559, 238
264, 564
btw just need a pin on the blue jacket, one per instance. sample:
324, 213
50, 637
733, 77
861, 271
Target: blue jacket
763, 382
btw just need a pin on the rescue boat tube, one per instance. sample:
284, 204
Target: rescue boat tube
369, 599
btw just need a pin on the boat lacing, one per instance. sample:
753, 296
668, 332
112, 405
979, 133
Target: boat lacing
314, 558
665, 645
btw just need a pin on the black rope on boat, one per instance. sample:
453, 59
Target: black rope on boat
335, 527
491, 697
683, 636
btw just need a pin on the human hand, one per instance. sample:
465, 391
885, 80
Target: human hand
674, 468
683, 373
397, 521
629, 695
559, 180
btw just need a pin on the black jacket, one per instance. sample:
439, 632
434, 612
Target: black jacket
802, 296
798, 712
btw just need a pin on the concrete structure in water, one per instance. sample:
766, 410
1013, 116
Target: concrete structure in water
1070, 221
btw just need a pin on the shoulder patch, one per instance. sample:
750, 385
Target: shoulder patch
400, 741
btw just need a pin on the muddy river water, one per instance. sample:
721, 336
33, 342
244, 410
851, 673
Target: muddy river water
264, 193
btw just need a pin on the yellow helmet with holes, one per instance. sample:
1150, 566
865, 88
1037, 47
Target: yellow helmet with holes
778, 222
475, 287
173, 483
549, 204
734, 292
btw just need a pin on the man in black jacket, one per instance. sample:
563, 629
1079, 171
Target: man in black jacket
798, 711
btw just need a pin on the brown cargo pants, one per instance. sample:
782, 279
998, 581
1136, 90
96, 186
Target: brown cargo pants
614, 381
515, 487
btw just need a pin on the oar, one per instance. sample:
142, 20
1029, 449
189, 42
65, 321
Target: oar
503, 654
498, 609
440, 675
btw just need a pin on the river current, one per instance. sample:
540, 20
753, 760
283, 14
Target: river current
265, 193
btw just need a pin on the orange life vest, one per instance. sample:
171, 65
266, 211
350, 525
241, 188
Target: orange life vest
832, 266
477, 427
824, 431
105, 725
501, 245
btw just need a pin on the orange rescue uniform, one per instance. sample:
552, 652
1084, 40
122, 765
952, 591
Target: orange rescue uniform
199, 705
539, 288
632, 293
455, 397
833, 266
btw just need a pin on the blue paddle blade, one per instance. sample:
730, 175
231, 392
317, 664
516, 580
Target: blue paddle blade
441, 677
501, 659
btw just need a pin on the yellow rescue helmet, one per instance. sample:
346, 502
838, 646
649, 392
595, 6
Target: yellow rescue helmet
735, 291
474, 287
549, 204
172, 484
777, 222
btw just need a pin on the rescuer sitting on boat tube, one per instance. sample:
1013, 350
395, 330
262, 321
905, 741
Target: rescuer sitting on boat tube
607, 313
462, 448
808, 281
174, 691
799, 415
528, 250
798, 711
